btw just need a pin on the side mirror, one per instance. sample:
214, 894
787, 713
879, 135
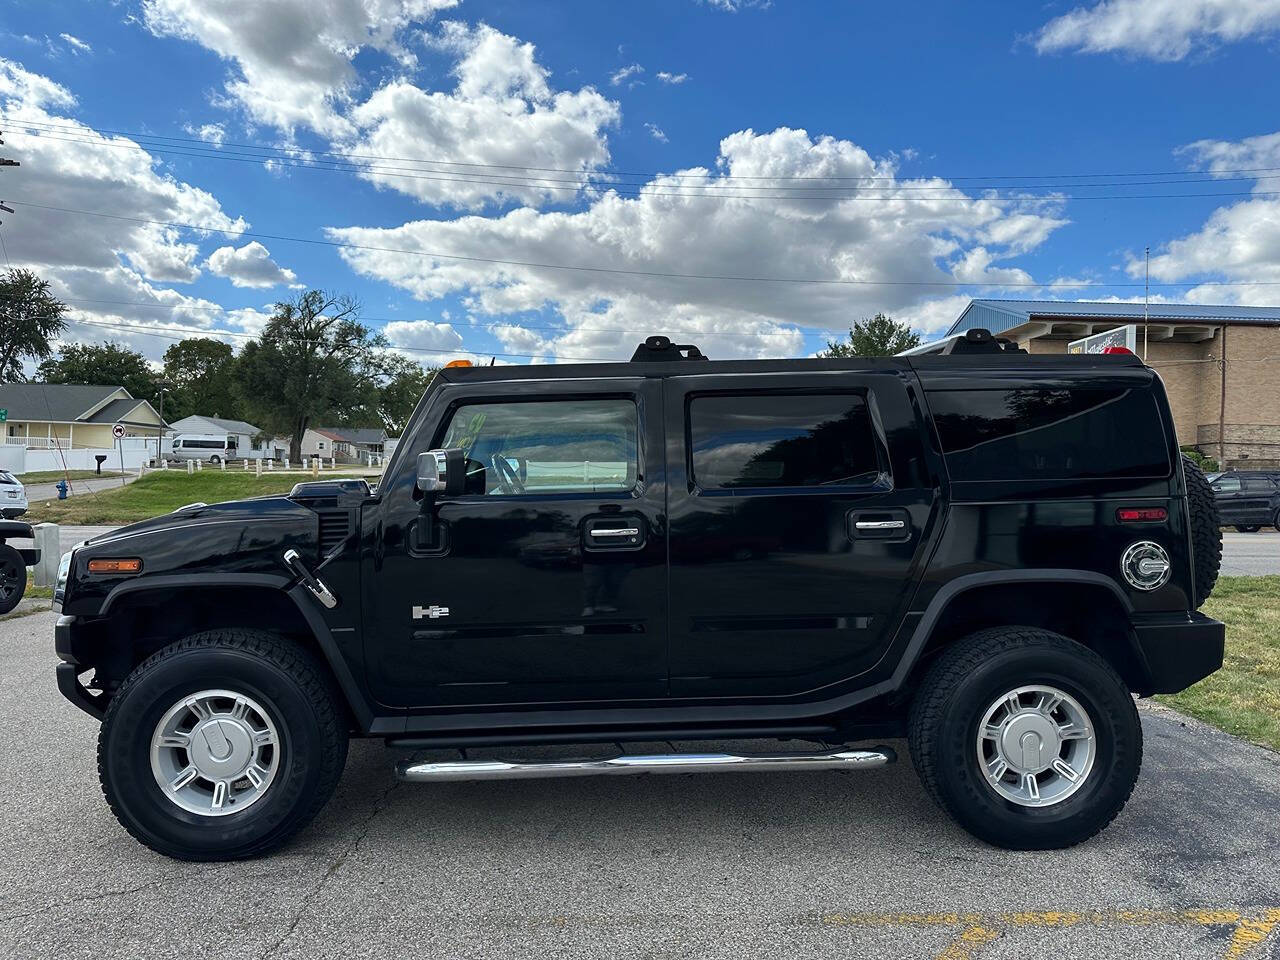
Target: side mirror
442, 472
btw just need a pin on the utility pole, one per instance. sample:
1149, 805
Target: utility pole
1146, 303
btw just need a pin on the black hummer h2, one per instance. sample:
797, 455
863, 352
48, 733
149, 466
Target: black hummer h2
983, 551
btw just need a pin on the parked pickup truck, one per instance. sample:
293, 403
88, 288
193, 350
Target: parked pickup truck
984, 552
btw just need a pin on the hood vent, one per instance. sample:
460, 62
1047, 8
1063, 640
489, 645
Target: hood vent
335, 525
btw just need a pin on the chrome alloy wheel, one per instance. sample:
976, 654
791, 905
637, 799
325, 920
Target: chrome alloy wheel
215, 752
1036, 745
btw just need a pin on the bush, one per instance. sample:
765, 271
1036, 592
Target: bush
1207, 464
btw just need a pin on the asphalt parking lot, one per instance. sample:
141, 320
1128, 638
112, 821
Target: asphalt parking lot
764, 865
1252, 554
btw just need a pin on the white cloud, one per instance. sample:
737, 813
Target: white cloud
98, 264
77, 45
656, 132
423, 336
672, 229
213, 133
623, 74
733, 6
672, 78
292, 57
1224, 157
1239, 242
501, 120
1159, 29
250, 266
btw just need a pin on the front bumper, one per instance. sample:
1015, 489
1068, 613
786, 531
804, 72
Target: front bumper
1181, 650
69, 672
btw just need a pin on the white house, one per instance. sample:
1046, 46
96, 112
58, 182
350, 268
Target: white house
243, 434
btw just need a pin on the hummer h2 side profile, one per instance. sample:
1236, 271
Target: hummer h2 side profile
984, 552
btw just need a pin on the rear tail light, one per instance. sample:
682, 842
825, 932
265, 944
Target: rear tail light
1115, 348
1142, 514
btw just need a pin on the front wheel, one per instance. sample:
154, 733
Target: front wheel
1247, 528
222, 746
1029, 740
13, 578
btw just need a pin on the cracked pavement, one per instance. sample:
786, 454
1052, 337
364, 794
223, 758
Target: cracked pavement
720, 865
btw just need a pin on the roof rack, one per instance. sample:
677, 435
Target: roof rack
659, 349
975, 341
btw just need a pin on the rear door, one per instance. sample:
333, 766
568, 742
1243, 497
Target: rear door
545, 580
799, 508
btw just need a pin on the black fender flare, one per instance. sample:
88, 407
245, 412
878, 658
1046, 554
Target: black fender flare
953, 589
361, 708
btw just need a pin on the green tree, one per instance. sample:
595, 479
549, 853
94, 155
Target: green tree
30, 318
198, 376
405, 381
314, 360
879, 336
108, 364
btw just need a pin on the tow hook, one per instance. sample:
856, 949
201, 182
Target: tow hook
319, 589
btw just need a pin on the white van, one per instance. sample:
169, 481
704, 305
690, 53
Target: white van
213, 447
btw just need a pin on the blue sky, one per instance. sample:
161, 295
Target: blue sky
943, 151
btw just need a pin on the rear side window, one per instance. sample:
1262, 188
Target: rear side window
1040, 434
781, 441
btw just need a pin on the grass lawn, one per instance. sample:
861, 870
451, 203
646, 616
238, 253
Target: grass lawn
158, 493
53, 476
1244, 696
36, 593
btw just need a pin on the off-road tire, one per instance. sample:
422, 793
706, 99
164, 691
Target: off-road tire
1206, 530
304, 704
13, 578
943, 727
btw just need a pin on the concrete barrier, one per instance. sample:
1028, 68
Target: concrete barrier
50, 547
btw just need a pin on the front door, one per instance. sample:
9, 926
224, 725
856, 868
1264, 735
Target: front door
799, 509
545, 581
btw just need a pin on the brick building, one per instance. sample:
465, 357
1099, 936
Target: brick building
1228, 408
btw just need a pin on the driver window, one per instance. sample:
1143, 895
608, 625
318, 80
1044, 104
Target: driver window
551, 446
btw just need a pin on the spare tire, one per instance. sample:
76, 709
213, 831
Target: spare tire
1206, 531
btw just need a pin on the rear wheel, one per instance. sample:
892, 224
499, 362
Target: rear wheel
222, 746
1029, 740
13, 577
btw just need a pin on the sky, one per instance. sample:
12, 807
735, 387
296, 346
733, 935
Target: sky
554, 181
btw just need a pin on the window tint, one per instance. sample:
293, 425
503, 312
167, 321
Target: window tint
1050, 434
781, 441
1226, 485
1259, 485
553, 446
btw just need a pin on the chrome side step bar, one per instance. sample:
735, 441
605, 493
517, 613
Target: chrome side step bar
456, 770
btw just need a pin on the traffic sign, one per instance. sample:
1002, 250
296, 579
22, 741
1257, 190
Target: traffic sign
118, 431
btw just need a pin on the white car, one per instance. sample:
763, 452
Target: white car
13, 496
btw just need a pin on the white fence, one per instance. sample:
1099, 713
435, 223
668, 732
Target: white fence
17, 459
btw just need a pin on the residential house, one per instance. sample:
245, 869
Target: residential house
56, 425
245, 436
350, 444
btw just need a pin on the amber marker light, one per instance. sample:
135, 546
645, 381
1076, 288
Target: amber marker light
116, 565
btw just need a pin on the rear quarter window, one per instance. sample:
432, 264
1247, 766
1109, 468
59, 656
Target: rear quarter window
1050, 434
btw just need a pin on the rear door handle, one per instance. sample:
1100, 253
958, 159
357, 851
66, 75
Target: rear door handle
893, 525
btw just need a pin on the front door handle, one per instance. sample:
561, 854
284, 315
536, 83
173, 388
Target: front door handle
601, 533
866, 525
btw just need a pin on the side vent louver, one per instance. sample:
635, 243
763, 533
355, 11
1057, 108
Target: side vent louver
334, 527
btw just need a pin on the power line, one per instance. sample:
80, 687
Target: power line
216, 144
165, 333
658, 274
708, 187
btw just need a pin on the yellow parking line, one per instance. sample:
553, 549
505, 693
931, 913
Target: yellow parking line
1250, 933
965, 946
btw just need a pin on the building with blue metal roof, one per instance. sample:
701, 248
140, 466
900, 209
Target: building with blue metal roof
1220, 363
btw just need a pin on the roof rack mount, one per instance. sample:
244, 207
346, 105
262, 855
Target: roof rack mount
658, 349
